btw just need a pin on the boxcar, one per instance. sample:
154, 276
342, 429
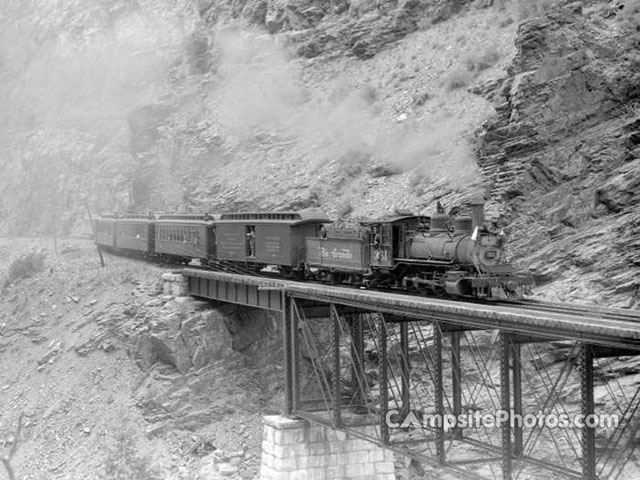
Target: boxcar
186, 236
105, 232
267, 238
136, 233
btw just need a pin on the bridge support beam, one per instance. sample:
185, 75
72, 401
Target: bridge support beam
405, 368
357, 354
384, 380
439, 393
505, 351
588, 433
456, 380
288, 341
518, 442
337, 391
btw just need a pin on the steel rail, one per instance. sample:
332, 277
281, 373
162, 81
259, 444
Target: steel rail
594, 311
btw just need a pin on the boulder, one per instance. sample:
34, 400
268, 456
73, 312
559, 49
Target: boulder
622, 190
183, 343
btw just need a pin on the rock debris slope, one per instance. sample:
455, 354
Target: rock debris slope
114, 379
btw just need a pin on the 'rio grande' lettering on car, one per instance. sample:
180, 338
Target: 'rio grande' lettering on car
342, 253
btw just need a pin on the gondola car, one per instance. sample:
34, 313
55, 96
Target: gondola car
276, 239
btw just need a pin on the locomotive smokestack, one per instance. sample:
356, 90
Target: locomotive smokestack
477, 213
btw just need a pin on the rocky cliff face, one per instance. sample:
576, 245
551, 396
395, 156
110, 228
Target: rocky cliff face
138, 105
562, 150
357, 107
360, 28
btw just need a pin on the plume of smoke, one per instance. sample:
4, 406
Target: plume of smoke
260, 89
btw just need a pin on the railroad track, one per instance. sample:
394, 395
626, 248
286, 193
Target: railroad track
590, 311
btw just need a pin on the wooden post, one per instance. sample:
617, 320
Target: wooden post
95, 236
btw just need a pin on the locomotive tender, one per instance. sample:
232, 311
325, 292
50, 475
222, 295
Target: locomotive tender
432, 255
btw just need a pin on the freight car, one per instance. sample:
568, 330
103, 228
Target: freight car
437, 255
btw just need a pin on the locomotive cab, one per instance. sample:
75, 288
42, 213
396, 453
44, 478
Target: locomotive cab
389, 239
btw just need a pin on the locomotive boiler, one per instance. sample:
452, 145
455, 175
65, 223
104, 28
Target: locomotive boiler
436, 255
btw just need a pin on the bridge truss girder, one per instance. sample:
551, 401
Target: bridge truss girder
356, 369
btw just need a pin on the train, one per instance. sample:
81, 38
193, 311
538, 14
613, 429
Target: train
439, 255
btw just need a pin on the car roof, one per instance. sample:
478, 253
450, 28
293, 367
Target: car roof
397, 218
291, 218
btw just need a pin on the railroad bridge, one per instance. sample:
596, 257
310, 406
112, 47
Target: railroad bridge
396, 370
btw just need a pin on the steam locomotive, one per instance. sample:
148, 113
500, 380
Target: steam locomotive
436, 255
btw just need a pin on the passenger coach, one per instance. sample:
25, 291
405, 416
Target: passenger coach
184, 237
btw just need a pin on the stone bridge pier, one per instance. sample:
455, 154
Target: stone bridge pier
295, 449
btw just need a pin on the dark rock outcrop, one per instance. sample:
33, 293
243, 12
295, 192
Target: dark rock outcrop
185, 343
356, 27
562, 150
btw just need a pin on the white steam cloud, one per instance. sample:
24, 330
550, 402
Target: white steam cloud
259, 89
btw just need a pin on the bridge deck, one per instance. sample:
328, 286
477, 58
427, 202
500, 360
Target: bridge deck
594, 327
